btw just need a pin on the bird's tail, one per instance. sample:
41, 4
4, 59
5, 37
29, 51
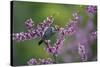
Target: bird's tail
40, 42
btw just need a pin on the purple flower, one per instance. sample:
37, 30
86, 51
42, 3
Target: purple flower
24, 36
40, 61
82, 52
42, 27
29, 24
49, 49
61, 34
93, 35
91, 9
60, 39
46, 61
33, 32
52, 50
32, 62
70, 29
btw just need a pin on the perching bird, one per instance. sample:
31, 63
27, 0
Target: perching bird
48, 33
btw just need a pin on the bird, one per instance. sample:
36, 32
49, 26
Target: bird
47, 34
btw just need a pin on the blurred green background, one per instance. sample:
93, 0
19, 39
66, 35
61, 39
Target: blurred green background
25, 50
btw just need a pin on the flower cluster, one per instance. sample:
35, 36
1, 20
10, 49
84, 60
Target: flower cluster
62, 32
33, 32
60, 39
29, 24
71, 27
93, 35
82, 47
82, 52
91, 9
40, 61
24, 36
42, 27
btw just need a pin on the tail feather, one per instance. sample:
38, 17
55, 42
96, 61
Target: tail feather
40, 42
